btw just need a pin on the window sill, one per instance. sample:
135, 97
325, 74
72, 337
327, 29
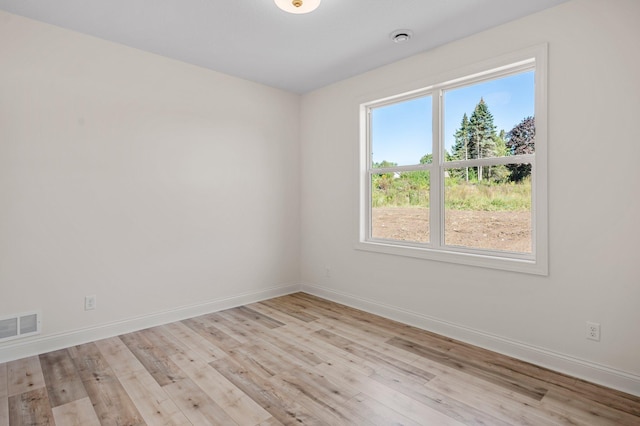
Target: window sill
490, 261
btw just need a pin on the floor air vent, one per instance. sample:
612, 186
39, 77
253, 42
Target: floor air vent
21, 325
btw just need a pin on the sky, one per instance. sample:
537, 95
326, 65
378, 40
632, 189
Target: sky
401, 133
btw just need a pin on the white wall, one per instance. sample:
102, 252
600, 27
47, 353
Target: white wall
594, 105
153, 184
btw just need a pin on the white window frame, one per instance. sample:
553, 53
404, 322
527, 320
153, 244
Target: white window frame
536, 262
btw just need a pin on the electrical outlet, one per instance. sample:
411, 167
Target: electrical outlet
89, 303
593, 331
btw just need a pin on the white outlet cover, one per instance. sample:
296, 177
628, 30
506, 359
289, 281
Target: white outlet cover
593, 331
89, 303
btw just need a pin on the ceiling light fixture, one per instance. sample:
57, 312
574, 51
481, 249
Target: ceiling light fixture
298, 6
401, 36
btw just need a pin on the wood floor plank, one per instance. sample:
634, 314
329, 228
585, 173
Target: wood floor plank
230, 328
417, 388
120, 359
199, 408
531, 385
331, 313
63, 382
496, 400
373, 357
256, 316
89, 362
214, 335
519, 371
325, 309
259, 364
301, 352
259, 331
585, 410
271, 421
321, 411
469, 366
316, 386
373, 324
155, 358
318, 395
151, 400
24, 375
232, 400
506, 405
288, 320
376, 343
31, 408
384, 395
4, 395
460, 408
282, 407
305, 338
269, 357
4, 390
615, 399
110, 401
542, 377
77, 413
291, 309
203, 347
162, 339
4, 410
376, 413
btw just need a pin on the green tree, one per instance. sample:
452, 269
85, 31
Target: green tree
460, 149
482, 134
521, 140
426, 159
500, 173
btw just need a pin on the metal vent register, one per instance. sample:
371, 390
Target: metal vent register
20, 325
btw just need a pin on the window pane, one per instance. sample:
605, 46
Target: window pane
490, 119
488, 215
401, 133
400, 206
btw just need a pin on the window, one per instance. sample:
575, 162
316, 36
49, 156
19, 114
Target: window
457, 171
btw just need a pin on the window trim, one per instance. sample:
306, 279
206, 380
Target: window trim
533, 58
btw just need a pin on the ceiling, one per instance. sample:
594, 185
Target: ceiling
255, 40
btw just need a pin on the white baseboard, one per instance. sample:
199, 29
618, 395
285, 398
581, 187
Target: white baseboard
41, 344
576, 367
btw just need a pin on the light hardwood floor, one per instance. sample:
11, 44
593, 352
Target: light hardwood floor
297, 360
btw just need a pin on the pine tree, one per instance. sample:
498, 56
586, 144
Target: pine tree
460, 149
482, 134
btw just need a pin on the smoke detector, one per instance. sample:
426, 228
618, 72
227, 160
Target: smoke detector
401, 36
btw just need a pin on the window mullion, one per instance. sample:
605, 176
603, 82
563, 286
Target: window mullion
409, 168
435, 189
491, 161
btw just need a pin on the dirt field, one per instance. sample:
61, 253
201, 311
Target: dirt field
509, 231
